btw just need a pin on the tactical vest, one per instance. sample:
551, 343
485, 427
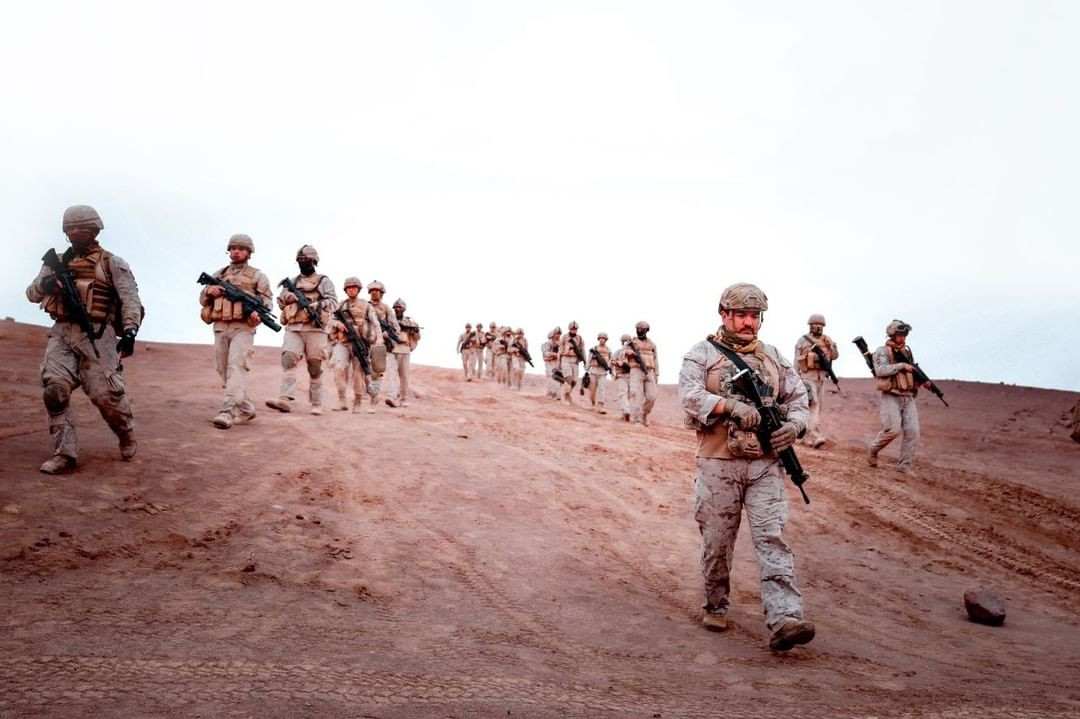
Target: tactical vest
222, 309
410, 331
93, 285
567, 347
902, 382
500, 347
809, 363
358, 308
605, 352
648, 354
714, 440
291, 314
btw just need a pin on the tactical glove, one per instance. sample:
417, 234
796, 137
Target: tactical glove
745, 414
126, 346
783, 437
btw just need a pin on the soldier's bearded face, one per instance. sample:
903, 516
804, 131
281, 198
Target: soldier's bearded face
743, 323
82, 237
306, 266
899, 340
816, 329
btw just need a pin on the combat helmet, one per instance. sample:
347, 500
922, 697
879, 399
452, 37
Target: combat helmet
242, 242
743, 296
602, 336
307, 252
643, 325
399, 303
816, 319
82, 216
376, 285
573, 325
352, 282
897, 327
624, 339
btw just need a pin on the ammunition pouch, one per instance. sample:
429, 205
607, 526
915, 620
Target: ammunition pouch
742, 443
377, 355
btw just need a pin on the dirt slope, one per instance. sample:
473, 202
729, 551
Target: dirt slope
487, 553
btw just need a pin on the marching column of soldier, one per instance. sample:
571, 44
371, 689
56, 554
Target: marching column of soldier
746, 402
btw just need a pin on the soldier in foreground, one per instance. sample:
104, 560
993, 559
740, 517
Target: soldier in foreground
644, 369
621, 367
599, 366
391, 337
92, 296
895, 380
306, 302
811, 369
465, 344
357, 315
516, 351
571, 351
234, 328
737, 468
402, 356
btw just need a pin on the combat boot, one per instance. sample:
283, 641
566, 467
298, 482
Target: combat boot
223, 420
391, 402
714, 622
871, 458
57, 463
128, 445
281, 404
316, 409
794, 632
343, 403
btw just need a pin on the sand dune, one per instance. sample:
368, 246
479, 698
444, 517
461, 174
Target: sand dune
488, 553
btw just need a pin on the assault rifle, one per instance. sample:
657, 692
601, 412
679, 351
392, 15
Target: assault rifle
391, 334
69, 295
637, 355
917, 373
524, 352
303, 302
251, 303
825, 363
600, 360
585, 380
747, 384
360, 348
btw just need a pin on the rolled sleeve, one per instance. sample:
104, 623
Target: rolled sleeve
697, 401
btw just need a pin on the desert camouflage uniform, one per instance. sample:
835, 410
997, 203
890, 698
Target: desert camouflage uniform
568, 362
303, 338
642, 379
550, 352
481, 350
234, 335
517, 360
726, 483
466, 345
621, 367
897, 408
387, 316
103, 279
401, 358
489, 350
598, 375
365, 323
807, 364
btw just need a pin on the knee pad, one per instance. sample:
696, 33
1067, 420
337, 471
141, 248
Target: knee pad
289, 359
314, 367
56, 397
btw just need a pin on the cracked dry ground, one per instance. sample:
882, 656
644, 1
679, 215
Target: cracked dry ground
486, 553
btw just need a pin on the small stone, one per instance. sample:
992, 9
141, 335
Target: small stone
249, 568
985, 607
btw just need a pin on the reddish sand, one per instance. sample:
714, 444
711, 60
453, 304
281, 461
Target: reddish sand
490, 553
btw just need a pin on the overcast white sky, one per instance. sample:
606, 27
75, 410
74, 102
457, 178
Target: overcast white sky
537, 162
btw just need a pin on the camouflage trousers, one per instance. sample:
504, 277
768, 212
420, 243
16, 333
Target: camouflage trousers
597, 386
469, 361
234, 346
347, 369
310, 345
489, 358
622, 391
517, 371
722, 489
569, 367
642, 394
70, 362
398, 365
899, 415
552, 385
816, 389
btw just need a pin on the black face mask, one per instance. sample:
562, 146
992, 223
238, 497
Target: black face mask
306, 266
641, 334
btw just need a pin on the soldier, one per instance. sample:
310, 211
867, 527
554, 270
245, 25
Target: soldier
402, 355
234, 329
517, 358
391, 335
599, 366
363, 320
489, 349
642, 379
481, 350
896, 383
621, 366
571, 351
550, 351
106, 297
305, 330
809, 366
500, 358
733, 471
465, 349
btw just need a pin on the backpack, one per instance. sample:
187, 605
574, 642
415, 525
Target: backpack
118, 321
